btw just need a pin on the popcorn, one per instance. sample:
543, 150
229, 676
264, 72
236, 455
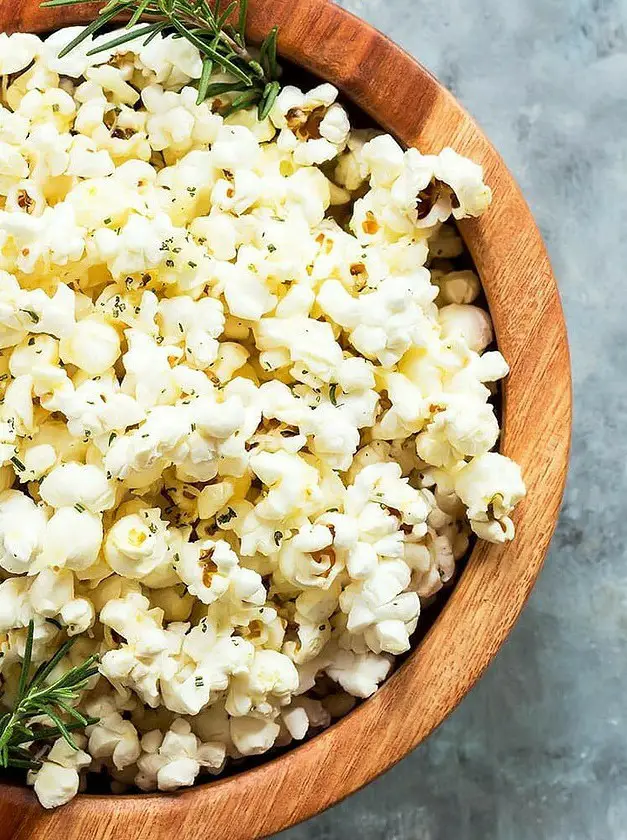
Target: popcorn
175, 601
12, 167
252, 736
490, 486
206, 667
292, 481
136, 248
50, 590
52, 239
13, 127
22, 529
137, 545
211, 570
197, 323
53, 315
176, 125
93, 346
304, 714
235, 148
77, 616
113, 81
15, 607
114, 738
82, 550
460, 427
28, 356
18, 405
87, 161
245, 294
466, 180
14, 644
312, 125
57, 781
149, 376
311, 637
308, 558
382, 325
94, 408
171, 59
360, 674
147, 656
268, 684
72, 484
469, 322
175, 760
460, 287
246, 420
381, 609
383, 160
25, 196
17, 51
76, 62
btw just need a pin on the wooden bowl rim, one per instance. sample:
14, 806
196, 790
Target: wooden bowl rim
404, 98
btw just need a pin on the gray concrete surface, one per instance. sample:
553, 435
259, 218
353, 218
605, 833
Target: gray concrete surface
538, 751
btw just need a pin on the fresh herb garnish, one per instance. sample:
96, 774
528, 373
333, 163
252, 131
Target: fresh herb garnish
205, 25
226, 517
33, 315
34, 698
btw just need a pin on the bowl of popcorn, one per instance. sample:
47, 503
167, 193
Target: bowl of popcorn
285, 413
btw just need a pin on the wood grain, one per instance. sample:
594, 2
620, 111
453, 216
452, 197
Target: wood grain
405, 99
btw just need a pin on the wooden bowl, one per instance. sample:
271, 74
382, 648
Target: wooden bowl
402, 97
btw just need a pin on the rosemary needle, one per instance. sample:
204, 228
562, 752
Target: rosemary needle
34, 698
220, 44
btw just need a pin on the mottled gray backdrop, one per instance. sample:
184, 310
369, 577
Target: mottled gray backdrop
538, 751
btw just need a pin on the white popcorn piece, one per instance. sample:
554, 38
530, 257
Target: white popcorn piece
136, 545
253, 736
22, 529
211, 570
470, 322
71, 484
360, 674
93, 346
82, 550
313, 126
17, 51
490, 486
170, 762
57, 781
114, 738
147, 655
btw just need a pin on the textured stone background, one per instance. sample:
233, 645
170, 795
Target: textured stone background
538, 751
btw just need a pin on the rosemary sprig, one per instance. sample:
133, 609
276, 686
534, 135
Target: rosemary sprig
34, 699
206, 26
